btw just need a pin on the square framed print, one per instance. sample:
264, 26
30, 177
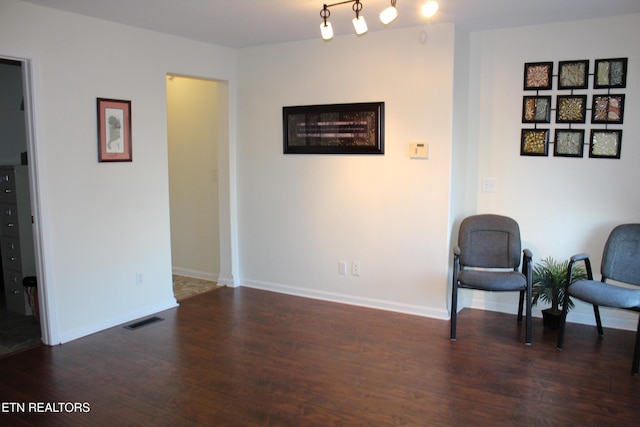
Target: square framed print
569, 143
114, 130
605, 144
538, 75
534, 142
571, 108
607, 109
334, 129
573, 74
536, 109
610, 73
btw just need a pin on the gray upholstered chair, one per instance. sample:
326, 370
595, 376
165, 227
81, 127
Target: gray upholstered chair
620, 263
487, 258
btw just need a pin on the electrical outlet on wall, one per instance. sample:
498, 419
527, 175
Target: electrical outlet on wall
355, 268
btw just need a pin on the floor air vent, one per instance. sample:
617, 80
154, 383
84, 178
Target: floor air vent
144, 322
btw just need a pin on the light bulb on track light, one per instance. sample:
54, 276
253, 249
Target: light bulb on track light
326, 30
360, 25
388, 15
430, 8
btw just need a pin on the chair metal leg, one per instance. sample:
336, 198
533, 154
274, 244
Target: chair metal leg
454, 309
636, 352
596, 311
528, 326
520, 306
563, 320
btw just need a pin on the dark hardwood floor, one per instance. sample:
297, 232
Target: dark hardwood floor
244, 357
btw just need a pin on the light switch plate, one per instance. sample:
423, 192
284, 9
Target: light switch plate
489, 185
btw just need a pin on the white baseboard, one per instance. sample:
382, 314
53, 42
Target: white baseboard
227, 281
611, 318
348, 299
122, 319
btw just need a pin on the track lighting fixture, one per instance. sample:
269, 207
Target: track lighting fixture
386, 16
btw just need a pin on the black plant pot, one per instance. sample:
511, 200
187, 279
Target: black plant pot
551, 318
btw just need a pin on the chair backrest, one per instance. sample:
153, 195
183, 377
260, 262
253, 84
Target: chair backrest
489, 241
621, 258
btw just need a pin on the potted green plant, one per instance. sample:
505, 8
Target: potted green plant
549, 285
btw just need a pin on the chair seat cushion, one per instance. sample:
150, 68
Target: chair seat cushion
605, 294
492, 280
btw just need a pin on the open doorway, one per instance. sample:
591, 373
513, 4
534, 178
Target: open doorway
194, 134
19, 313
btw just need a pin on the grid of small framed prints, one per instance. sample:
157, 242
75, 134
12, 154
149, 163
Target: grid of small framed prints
568, 109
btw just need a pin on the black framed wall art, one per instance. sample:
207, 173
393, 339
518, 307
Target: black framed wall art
571, 108
610, 73
534, 142
607, 109
538, 75
334, 129
536, 109
573, 74
605, 143
569, 143
580, 106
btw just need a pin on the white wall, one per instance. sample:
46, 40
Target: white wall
302, 214
103, 223
192, 122
564, 205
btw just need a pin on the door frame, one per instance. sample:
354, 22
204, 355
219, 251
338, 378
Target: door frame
227, 185
37, 192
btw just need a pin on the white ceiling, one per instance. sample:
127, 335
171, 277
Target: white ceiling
244, 23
